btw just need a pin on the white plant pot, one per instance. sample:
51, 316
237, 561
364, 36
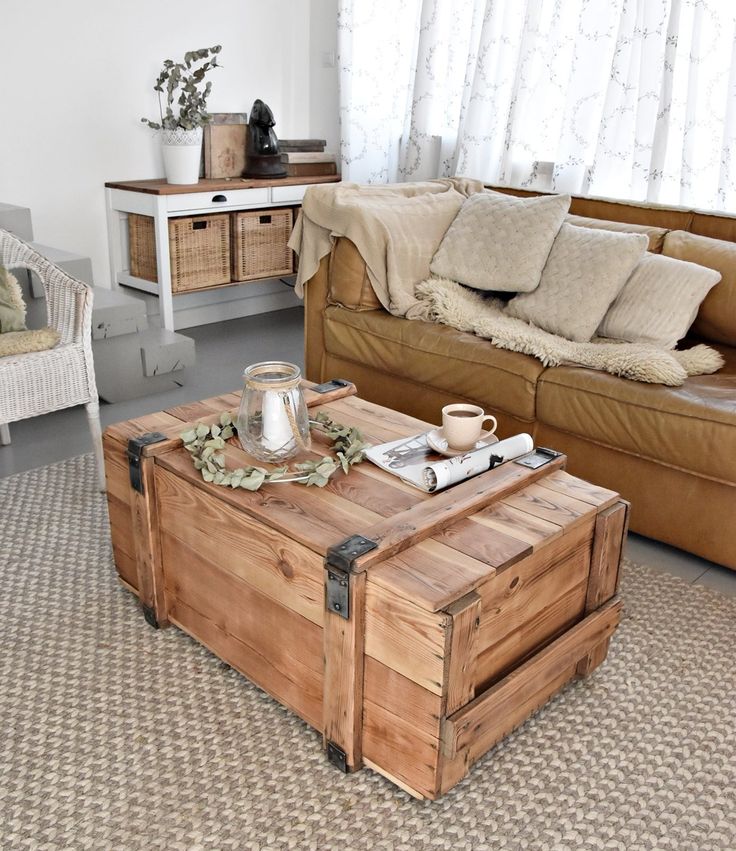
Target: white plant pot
182, 150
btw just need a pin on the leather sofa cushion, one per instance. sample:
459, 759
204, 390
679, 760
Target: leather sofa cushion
349, 282
692, 427
716, 319
436, 355
654, 234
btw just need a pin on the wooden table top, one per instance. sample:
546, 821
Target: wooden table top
159, 186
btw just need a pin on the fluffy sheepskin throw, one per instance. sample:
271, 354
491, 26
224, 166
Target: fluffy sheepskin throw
450, 303
14, 338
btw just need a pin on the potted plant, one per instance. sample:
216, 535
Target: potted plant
186, 112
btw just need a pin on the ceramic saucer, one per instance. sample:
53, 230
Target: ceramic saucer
437, 441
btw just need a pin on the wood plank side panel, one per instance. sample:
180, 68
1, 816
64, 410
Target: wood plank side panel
343, 676
276, 648
405, 637
526, 605
462, 652
268, 561
492, 715
401, 729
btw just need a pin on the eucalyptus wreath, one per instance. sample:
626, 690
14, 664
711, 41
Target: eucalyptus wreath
204, 443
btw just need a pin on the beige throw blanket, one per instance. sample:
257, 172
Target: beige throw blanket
450, 303
396, 228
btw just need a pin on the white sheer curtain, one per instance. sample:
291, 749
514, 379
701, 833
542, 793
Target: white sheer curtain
620, 98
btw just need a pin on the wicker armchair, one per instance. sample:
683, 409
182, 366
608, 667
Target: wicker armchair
41, 382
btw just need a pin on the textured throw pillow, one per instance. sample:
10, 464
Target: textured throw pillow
659, 302
499, 242
656, 235
585, 272
716, 318
12, 306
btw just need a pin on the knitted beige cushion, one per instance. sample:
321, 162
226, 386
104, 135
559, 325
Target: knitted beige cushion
656, 235
659, 302
585, 272
498, 242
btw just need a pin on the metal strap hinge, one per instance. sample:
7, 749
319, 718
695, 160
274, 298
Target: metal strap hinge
339, 564
135, 451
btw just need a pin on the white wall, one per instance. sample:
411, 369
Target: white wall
324, 117
77, 76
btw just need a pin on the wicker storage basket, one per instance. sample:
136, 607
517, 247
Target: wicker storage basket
259, 244
199, 249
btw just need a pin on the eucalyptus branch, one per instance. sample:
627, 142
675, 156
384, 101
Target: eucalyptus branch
204, 443
185, 78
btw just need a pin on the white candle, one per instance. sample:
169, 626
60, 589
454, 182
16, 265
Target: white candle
276, 427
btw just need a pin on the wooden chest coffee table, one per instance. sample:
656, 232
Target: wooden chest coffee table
414, 647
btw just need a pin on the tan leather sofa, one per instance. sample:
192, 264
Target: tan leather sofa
670, 450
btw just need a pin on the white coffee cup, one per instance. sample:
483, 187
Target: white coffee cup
462, 424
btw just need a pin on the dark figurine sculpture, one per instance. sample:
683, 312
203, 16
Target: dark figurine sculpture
262, 158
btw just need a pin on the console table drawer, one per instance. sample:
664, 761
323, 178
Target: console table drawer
212, 201
285, 194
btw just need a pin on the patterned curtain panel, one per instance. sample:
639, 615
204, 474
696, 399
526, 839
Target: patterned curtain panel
620, 98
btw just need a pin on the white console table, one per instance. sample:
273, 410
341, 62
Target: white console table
162, 201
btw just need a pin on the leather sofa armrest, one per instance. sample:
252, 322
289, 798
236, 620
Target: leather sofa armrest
349, 285
315, 301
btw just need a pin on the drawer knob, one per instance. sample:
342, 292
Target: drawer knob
218, 199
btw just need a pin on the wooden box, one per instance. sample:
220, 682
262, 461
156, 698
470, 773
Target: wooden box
223, 152
199, 250
260, 247
415, 646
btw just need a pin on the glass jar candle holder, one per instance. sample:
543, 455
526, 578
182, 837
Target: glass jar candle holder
273, 420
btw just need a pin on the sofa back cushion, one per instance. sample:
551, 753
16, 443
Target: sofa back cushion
659, 301
716, 319
497, 242
585, 272
654, 234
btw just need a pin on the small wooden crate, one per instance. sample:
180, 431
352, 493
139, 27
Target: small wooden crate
260, 247
199, 250
413, 631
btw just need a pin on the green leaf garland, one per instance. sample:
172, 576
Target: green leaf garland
205, 442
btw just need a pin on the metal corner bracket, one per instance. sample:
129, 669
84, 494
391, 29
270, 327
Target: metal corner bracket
337, 757
135, 452
339, 564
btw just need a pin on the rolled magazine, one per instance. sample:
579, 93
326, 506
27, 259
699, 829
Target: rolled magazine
414, 461
453, 470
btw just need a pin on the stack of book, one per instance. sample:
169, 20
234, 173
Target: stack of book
307, 157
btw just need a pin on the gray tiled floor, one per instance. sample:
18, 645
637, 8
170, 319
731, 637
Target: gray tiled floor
223, 349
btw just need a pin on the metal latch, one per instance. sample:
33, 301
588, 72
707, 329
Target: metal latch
537, 458
135, 450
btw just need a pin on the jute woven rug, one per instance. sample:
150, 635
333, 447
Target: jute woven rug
114, 736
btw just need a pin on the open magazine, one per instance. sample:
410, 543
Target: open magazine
413, 460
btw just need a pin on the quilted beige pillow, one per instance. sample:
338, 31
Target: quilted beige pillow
585, 272
499, 242
659, 302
